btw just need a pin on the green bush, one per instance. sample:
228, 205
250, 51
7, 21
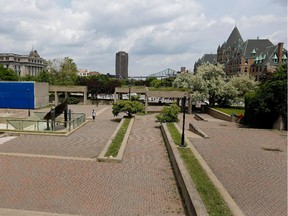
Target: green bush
268, 102
168, 114
73, 100
129, 107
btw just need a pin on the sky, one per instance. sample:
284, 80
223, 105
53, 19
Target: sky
157, 34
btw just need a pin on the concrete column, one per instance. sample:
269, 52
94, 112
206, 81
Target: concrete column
56, 98
146, 103
178, 101
115, 95
85, 97
189, 104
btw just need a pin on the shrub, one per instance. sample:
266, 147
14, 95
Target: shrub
73, 100
168, 114
129, 107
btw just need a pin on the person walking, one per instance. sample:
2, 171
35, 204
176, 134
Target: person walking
93, 115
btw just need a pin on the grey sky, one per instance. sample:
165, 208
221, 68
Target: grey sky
157, 34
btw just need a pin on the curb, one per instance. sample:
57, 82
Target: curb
118, 158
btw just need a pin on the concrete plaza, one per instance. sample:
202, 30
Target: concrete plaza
53, 175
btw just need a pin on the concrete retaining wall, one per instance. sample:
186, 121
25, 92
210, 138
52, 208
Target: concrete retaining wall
218, 114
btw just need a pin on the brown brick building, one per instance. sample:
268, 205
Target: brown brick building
257, 57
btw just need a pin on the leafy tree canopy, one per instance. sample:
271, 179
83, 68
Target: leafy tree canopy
99, 84
8, 74
266, 103
127, 106
168, 114
211, 83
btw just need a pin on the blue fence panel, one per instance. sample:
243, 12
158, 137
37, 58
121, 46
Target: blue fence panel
17, 95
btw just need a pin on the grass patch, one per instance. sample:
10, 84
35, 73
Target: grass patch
232, 110
176, 136
117, 141
212, 199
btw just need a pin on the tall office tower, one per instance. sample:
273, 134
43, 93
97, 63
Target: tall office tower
121, 66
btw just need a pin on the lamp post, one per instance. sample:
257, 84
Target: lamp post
28, 93
183, 126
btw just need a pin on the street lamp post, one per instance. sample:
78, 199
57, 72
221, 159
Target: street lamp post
183, 126
28, 93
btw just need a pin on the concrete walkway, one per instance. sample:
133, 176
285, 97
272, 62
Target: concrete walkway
250, 163
48, 175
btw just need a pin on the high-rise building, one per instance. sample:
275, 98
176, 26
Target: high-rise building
121, 66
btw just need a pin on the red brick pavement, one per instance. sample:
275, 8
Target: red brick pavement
87, 141
143, 184
254, 177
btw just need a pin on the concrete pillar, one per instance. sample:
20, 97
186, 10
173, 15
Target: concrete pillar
56, 98
85, 97
146, 103
115, 95
178, 101
189, 105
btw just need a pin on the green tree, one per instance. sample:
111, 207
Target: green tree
155, 83
207, 84
67, 74
214, 78
45, 76
243, 84
168, 114
211, 83
8, 74
62, 71
99, 84
28, 77
264, 105
167, 82
129, 107
149, 80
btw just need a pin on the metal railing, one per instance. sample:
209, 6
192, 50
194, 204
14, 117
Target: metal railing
40, 125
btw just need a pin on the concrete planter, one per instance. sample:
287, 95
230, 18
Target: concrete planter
119, 156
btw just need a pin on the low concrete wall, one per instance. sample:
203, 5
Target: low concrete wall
190, 195
41, 92
198, 131
218, 114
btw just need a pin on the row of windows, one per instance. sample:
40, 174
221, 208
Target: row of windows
259, 69
18, 60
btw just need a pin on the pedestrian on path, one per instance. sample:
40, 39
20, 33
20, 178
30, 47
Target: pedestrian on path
93, 115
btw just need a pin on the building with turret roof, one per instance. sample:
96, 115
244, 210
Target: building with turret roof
207, 58
256, 57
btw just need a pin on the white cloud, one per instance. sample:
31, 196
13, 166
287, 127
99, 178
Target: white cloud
157, 34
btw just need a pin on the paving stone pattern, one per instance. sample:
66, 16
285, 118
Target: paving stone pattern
256, 178
143, 184
87, 141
